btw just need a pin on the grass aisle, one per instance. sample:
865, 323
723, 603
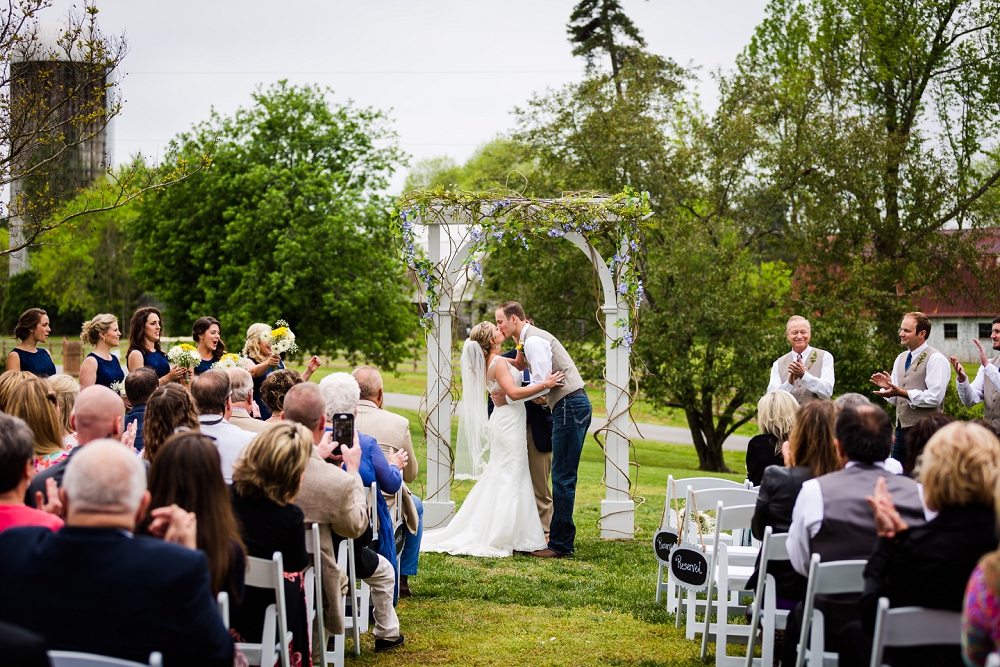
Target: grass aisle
594, 609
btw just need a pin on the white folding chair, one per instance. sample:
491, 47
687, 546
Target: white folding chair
913, 626
275, 638
313, 580
372, 494
76, 659
728, 573
359, 593
222, 601
765, 600
834, 578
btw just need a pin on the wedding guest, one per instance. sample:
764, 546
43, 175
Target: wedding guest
243, 405
266, 479
17, 468
32, 328
929, 565
9, 382
855, 399
273, 390
392, 432
986, 387
211, 394
918, 381
919, 435
100, 366
187, 473
95, 587
139, 386
207, 335
266, 361
806, 372
775, 419
66, 389
35, 403
170, 410
144, 346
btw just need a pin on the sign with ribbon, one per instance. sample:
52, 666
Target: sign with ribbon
689, 567
664, 541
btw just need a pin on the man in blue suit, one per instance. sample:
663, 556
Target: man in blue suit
96, 587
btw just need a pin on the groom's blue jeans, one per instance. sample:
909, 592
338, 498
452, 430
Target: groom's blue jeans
570, 421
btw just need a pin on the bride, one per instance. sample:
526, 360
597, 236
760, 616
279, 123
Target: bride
499, 516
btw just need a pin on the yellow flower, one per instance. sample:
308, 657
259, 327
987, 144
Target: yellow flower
188, 347
280, 332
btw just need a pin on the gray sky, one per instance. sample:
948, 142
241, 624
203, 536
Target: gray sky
451, 72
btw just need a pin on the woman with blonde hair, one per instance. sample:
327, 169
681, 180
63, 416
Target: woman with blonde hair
100, 366
9, 382
32, 328
266, 479
67, 389
35, 402
169, 410
266, 361
775, 418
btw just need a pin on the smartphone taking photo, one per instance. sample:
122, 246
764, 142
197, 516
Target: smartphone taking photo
343, 431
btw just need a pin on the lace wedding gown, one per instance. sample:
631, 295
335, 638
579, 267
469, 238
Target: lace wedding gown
498, 516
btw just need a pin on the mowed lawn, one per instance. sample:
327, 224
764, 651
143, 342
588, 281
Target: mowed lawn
594, 609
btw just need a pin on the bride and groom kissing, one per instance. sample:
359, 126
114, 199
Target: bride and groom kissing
498, 517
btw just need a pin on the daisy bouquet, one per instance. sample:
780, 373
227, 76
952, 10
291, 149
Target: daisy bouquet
184, 355
282, 338
230, 360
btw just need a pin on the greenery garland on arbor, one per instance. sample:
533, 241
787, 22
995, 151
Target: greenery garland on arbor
504, 217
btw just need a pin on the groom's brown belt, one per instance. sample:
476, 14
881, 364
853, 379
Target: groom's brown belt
574, 393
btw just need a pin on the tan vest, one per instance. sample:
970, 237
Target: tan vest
561, 361
991, 400
915, 378
801, 394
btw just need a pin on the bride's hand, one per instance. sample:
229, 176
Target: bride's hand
554, 379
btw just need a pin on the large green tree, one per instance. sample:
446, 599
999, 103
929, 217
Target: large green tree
287, 223
601, 27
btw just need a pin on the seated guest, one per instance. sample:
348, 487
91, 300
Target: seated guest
32, 328
17, 468
139, 594
35, 403
811, 453
100, 366
855, 399
832, 517
98, 413
335, 499
207, 335
169, 410
266, 479
929, 565
918, 435
187, 473
139, 386
775, 419
9, 382
981, 607
144, 347
272, 392
210, 391
66, 389
22, 648
341, 394
242, 386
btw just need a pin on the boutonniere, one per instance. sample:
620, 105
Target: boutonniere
519, 347
923, 355
812, 358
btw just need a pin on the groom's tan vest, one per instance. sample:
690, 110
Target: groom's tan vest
991, 400
915, 378
799, 391
561, 361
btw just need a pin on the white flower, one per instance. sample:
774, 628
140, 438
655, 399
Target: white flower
118, 388
184, 355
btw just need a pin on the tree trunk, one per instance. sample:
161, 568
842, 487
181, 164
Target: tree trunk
706, 442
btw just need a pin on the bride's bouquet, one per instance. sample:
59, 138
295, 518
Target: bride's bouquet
184, 355
282, 339
230, 360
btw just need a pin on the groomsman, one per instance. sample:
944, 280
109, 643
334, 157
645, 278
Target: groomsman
986, 386
919, 377
806, 372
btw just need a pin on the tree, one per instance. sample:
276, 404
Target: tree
602, 26
499, 163
287, 223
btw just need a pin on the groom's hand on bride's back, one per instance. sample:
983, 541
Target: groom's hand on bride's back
499, 398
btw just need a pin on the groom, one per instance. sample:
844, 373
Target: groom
540, 352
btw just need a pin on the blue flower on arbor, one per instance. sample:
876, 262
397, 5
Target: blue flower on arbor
556, 232
622, 288
627, 340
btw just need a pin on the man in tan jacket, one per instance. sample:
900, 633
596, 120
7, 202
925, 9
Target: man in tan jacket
335, 499
241, 384
392, 431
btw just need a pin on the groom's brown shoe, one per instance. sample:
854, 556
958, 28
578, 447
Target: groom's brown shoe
545, 553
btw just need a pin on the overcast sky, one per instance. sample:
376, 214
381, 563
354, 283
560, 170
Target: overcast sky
451, 72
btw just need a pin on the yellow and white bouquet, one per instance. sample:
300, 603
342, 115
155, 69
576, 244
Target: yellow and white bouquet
231, 360
282, 339
184, 355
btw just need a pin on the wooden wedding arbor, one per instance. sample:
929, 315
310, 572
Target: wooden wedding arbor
455, 243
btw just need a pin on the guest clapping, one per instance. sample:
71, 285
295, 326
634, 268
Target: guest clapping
32, 328
144, 346
775, 419
101, 367
169, 410
207, 335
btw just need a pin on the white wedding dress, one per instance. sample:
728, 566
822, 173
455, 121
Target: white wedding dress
498, 516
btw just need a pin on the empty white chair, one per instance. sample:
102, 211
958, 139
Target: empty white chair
76, 659
913, 626
359, 595
765, 600
275, 638
222, 601
313, 581
834, 578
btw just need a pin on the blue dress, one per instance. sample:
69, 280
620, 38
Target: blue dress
204, 366
157, 361
265, 412
108, 372
39, 363
374, 468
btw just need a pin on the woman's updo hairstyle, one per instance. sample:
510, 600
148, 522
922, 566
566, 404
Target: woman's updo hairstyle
95, 328
482, 333
29, 319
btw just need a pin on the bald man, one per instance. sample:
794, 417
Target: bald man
806, 372
98, 413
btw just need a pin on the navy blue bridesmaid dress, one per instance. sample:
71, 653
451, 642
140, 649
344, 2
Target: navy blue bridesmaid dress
157, 361
108, 371
39, 363
204, 365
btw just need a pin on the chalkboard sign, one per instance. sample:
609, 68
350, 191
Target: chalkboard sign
689, 567
664, 541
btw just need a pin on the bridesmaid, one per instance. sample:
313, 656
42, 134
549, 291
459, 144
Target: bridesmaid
266, 361
144, 346
100, 366
32, 328
207, 334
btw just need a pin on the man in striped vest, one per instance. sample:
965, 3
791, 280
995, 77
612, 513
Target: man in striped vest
986, 386
805, 372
